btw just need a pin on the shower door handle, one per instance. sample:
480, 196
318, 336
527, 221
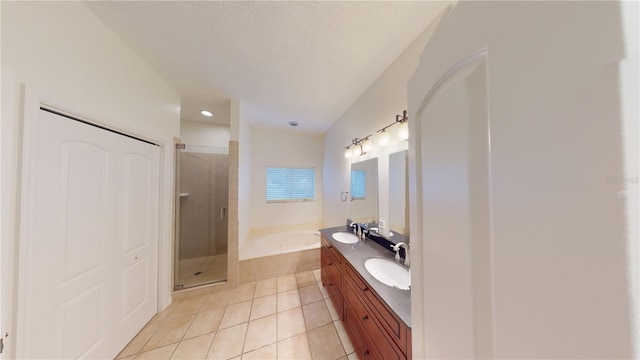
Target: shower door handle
223, 213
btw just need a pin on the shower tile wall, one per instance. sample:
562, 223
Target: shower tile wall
205, 177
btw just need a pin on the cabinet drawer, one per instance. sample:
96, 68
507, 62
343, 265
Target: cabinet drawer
332, 280
362, 347
331, 251
377, 336
331, 266
396, 329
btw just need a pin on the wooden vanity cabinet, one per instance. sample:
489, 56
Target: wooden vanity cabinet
331, 273
374, 329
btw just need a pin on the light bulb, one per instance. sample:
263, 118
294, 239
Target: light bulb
356, 151
367, 146
403, 131
206, 113
384, 138
347, 153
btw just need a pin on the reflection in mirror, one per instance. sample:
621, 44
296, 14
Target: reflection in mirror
398, 193
364, 191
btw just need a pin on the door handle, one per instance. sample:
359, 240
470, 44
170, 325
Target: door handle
223, 213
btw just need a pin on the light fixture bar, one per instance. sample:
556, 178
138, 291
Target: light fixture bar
400, 119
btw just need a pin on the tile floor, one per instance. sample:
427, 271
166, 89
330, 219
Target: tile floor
289, 317
211, 268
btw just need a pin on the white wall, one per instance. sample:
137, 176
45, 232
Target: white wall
198, 133
559, 243
241, 131
282, 148
374, 109
68, 58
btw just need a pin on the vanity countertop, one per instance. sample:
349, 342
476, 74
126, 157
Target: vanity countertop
398, 300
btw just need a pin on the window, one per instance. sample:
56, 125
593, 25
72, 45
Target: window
357, 184
291, 184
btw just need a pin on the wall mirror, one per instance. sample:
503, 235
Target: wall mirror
364, 191
398, 192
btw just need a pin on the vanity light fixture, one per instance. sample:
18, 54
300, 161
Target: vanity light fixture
347, 152
384, 138
364, 145
403, 129
367, 145
358, 147
206, 113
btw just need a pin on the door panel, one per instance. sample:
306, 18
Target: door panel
137, 234
81, 188
82, 180
455, 214
68, 215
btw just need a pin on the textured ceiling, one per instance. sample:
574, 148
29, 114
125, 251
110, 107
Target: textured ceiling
302, 61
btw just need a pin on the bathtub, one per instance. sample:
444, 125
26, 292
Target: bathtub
279, 243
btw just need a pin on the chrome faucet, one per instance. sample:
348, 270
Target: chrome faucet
396, 248
356, 227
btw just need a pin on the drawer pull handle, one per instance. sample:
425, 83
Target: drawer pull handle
366, 352
331, 284
366, 317
330, 264
365, 289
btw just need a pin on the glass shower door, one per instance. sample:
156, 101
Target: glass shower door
202, 183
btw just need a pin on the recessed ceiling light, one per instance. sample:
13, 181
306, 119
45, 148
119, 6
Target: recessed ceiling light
206, 113
293, 123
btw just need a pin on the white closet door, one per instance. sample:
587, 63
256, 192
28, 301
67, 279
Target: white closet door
136, 236
80, 264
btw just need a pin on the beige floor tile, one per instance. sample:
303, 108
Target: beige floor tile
288, 300
344, 337
205, 322
323, 290
317, 274
265, 287
195, 348
263, 306
187, 306
325, 343
353, 356
290, 323
310, 294
132, 357
160, 317
264, 353
236, 314
332, 309
171, 331
305, 279
228, 342
316, 315
215, 300
286, 283
136, 344
260, 333
159, 353
295, 347
242, 293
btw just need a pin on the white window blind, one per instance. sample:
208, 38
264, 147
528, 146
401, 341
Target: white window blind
290, 184
358, 184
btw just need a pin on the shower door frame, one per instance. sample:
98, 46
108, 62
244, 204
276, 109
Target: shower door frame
179, 148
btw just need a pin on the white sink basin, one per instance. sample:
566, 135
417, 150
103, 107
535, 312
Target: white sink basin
389, 272
344, 237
